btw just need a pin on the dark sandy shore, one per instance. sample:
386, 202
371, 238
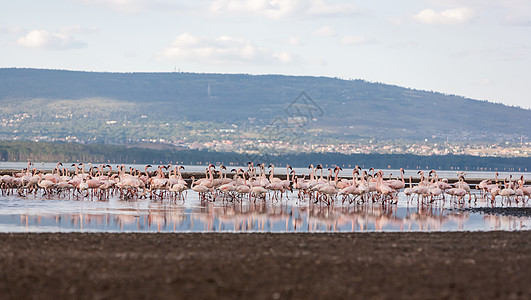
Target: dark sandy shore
463, 265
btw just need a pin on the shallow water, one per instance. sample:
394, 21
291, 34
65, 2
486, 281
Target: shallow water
37, 214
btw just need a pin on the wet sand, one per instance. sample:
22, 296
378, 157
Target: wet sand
457, 265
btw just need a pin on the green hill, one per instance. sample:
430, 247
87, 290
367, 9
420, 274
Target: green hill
88, 105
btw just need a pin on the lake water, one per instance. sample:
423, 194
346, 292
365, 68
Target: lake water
37, 214
71, 214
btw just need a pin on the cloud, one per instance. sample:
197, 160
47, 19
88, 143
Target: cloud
325, 31
276, 9
273, 9
53, 41
356, 40
461, 15
223, 49
321, 8
270, 9
132, 6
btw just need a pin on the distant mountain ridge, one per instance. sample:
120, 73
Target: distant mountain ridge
342, 109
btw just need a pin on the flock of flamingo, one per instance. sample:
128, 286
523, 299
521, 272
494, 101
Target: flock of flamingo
256, 182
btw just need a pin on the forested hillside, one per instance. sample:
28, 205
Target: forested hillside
89, 104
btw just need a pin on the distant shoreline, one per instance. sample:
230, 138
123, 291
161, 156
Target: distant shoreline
74, 152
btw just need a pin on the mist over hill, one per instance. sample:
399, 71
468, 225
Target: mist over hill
60, 103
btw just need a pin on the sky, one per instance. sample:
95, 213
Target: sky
480, 49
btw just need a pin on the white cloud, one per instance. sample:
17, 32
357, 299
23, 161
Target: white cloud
269, 8
283, 57
223, 49
282, 8
518, 5
449, 16
53, 41
356, 40
132, 6
326, 31
321, 8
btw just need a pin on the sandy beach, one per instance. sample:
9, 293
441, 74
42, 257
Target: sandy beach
457, 265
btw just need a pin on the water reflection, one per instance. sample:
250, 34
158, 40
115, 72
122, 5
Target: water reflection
165, 216
509, 223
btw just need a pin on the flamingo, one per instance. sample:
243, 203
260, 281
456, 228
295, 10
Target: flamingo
409, 190
421, 189
459, 191
507, 192
224, 179
434, 189
435, 192
397, 184
263, 180
63, 186
494, 191
227, 188
276, 187
243, 189
526, 189
287, 182
328, 190
46, 185
384, 191
483, 186
351, 190
177, 189
519, 192
202, 190
83, 186
258, 191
